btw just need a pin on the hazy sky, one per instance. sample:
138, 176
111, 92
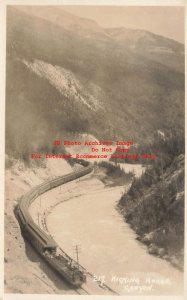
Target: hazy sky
167, 21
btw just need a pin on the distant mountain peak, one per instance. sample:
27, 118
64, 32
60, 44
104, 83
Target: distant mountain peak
146, 41
60, 17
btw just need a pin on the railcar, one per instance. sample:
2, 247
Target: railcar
43, 242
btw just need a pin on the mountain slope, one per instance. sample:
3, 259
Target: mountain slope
152, 46
81, 79
62, 18
156, 211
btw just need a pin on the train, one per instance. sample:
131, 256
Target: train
42, 241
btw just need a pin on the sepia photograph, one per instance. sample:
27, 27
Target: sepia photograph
94, 150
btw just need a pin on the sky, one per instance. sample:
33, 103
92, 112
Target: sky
163, 20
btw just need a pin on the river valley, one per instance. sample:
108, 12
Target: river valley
84, 213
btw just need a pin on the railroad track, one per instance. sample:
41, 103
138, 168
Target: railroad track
37, 234
82, 291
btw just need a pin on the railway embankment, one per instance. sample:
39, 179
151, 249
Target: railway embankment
25, 272
56, 194
30, 197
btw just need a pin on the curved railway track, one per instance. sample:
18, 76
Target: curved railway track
45, 244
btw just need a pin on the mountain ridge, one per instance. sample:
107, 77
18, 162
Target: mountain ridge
131, 86
56, 13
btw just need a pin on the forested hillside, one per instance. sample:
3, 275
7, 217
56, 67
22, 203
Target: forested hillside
68, 74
